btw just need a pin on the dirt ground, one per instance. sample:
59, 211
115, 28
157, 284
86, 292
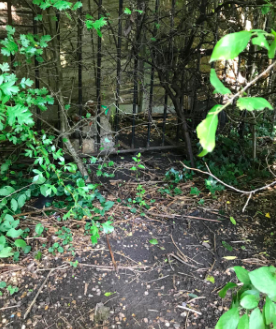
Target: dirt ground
172, 284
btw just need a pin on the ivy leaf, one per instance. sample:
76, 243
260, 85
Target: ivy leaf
127, 11
229, 320
206, 130
77, 5
253, 103
39, 228
44, 41
256, 320
210, 278
38, 18
231, 45
108, 205
217, 84
62, 5
107, 227
13, 233
3, 284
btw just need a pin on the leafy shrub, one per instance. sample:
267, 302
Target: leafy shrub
254, 303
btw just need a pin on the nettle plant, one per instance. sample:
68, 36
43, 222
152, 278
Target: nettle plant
228, 48
49, 174
257, 288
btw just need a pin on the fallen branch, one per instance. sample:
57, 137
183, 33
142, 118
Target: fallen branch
39, 291
249, 193
173, 216
189, 309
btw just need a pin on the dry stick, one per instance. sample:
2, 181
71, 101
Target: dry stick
187, 216
8, 307
111, 254
249, 193
181, 261
39, 291
189, 309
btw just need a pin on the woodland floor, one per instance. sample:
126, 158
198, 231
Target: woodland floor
186, 268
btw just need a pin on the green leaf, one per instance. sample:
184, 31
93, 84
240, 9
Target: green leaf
39, 179
13, 233
227, 245
62, 5
242, 275
80, 182
261, 41
244, 322
265, 9
39, 228
231, 45
210, 278
153, 241
195, 191
8, 88
44, 41
229, 320
206, 130
272, 48
107, 227
249, 301
3, 284
6, 252
217, 84
223, 291
5, 67
21, 200
269, 311
2, 241
77, 5
127, 11
14, 205
264, 281
107, 294
19, 243
256, 320
253, 103
7, 190
38, 18
232, 220
253, 292
27, 249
